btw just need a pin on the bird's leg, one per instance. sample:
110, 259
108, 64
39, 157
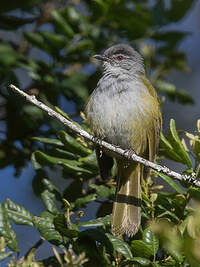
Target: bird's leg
97, 141
128, 154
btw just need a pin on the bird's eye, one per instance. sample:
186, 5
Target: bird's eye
120, 58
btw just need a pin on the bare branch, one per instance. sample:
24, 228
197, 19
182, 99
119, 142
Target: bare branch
190, 179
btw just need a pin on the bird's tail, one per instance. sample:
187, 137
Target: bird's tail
126, 215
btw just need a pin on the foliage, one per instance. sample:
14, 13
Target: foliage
169, 233
66, 35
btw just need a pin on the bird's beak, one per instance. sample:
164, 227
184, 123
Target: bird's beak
102, 58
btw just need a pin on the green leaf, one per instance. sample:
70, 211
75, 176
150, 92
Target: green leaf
173, 148
62, 24
69, 165
73, 191
72, 167
33, 112
175, 252
90, 161
150, 239
37, 185
171, 182
47, 229
50, 186
171, 91
174, 59
103, 221
72, 14
8, 56
194, 192
139, 260
18, 213
4, 255
61, 225
177, 145
36, 164
165, 87
179, 202
64, 114
120, 246
48, 199
80, 46
173, 37
75, 88
102, 190
141, 249
156, 264
171, 262
167, 149
183, 225
74, 18
83, 200
45, 159
49, 141
37, 40
178, 9
73, 145
158, 13
61, 153
182, 96
54, 40
109, 241
47, 214
7, 231
168, 214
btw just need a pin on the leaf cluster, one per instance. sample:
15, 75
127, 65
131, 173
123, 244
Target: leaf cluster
169, 232
53, 52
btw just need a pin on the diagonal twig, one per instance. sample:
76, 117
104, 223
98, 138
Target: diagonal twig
190, 179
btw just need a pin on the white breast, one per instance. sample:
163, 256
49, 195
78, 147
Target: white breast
114, 108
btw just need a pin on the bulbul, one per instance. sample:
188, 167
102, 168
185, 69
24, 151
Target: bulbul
124, 110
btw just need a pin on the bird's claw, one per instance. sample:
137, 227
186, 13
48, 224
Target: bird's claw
128, 153
97, 141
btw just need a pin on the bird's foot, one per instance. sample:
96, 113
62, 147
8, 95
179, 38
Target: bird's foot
97, 141
128, 154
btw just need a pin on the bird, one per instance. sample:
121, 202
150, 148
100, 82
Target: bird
124, 110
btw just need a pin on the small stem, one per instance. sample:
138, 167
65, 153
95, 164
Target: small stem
67, 207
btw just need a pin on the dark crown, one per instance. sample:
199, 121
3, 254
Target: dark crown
122, 49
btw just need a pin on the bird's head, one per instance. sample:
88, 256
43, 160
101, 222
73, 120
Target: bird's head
121, 58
